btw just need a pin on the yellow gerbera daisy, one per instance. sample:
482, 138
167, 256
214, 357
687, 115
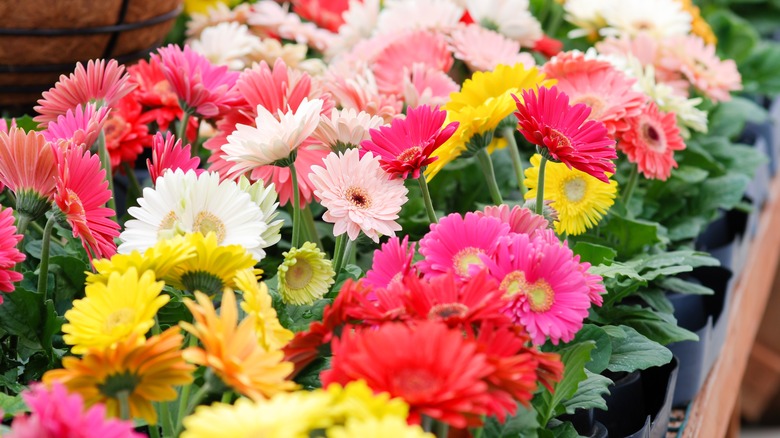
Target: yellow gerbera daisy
140, 372
482, 103
111, 312
160, 258
258, 303
305, 275
356, 400
231, 349
387, 427
580, 199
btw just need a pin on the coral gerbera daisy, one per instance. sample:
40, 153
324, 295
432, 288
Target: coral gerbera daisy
82, 192
519, 219
455, 243
391, 263
258, 303
346, 128
440, 377
543, 285
140, 372
167, 155
80, 125
563, 132
579, 199
358, 195
231, 350
9, 254
405, 147
305, 275
28, 168
650, 142
112, 311
56, 413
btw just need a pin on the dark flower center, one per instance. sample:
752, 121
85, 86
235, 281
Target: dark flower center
358, 197
653, 138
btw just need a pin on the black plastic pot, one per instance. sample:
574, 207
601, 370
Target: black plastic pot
717, 306
722, 237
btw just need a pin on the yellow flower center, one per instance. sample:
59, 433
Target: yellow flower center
574, 189
169, 226
465, 258
299, 275
358, 196
207, 222
595, 103
539, 294
119, 318
410, 154
513, 284
560, 140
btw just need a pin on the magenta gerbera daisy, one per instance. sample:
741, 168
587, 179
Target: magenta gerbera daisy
80, 125
650, 142
9, 254
169, 155
544, 285
563, 132
456, 243
406, 145
392, 262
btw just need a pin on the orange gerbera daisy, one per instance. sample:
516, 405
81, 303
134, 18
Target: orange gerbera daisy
232, 351
142, 372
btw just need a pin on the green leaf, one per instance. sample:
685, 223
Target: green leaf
594, 254
759, 70
677, 284
303, 316
565, 430
33, 248
523, 424
20, 314
728, 118
599, 358
27, 123
736, 37
721, 192
51, 327
631, 236
659, 327
590, 393
616, 270
69, 278
12, 405
309, 377
632, 351
656, 298
574, 357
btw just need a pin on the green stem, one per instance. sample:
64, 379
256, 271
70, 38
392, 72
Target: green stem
540, 187
105, 161
630, 186
181, 132
226, 396
124, 404
134, 191
185, 392
311, 228
203, 391
21, 227
338, 253
517, 161
427, 423
426, 194
43, 268
555, 19
349, 255
490, 175
442, 429
296, 237
167, 421
154, 431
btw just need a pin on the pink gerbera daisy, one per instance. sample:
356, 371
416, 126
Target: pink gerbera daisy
9, 254
167, 155
101, 82
544, 286
563, 132
392, 262
650, 142
483, 49
204, 89
80, 125
82, 192
456, 243
405, 147
359, 90
519, 219
358, 195
28, 168
700, 65
56, 413
424, 85
326, 13
414, 47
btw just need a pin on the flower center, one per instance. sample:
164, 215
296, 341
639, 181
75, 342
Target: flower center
447, 311
540, 296
574, 189
653, 137
207, 222
358, 196
114, 129
558, 141
513, 283
120, 318
410, 154
414, 384
299, 275
465, 258
169, 226
595, 103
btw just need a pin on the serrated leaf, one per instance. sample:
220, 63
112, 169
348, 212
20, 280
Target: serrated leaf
523, 424
590, 393
599, 357
636, 352
631, 236
20, 313
659, 327
51, 327
574, 357
594, 254
677, 284
303, 316
656, 299
614, 270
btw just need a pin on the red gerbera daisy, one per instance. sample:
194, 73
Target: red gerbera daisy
167, 155
82, 192
406, 145
126, 134
438, 372
650, 142
9, 254
563, 132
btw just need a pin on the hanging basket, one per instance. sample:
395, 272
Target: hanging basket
42, 39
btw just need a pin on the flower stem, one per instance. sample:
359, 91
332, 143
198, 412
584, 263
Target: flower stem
296, 235
338, 253
203, 391
154, 431
490, 175
442, 429
517, 161
134, 191
167, 421
226, 396
185, 392
181, 133
540, 187
43, 268
21, 228
426, 194
105, 161
311, 228
630, 186
124, 404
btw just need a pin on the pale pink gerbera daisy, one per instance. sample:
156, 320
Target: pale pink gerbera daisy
56, 413
424, 85
345, 128
405, 147
650, 142
519, 219
101, 82
205, 89
358, 89
482, 49
28, 168
392, 262
169, 156
456, 242
545, 287
82, 192
414, 47
358, 195
80, 126
9, 254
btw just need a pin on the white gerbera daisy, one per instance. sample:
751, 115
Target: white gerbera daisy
187, 203
229, 44
507, 17
346, 128
659, 18
400, 15
275, 138
587, 15
265, 198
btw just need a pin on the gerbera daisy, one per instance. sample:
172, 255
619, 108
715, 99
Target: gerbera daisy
231, 350
587, 16
389, 427
326, 13
82, 192
110, 312
508, 17
265, 198
102, 82
305, 275
56, 413
440, 377
28, 168
203, 88
126, 132
167, 155
699, 25
402, 15
579, 199
575, 61
455, 243
357, 88
271, 18
346, 128
483, 49
140, 372
161, 258
424, 85
257, 302
391, 263
405, 147
519, 219
659, 18
9, 254
229, 43
650, 142
543, 285
80, 125
406, 50
358, 195
563, 132
358, 401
